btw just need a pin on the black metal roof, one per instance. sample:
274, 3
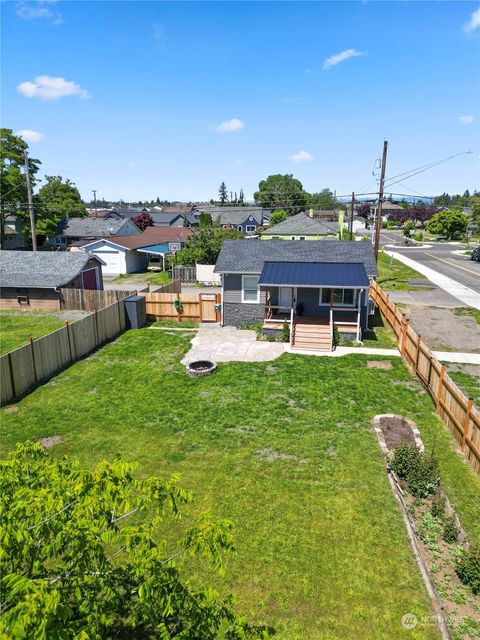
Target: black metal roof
314, 274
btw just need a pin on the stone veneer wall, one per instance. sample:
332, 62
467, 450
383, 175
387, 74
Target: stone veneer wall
235, 314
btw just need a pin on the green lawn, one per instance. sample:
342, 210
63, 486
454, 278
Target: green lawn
378, 336
469, 384
394, 275
149, 277
182, 325
282, 448
16, 328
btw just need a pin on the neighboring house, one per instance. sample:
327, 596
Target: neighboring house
244, 219
301, 227
12, 237
130, 254
70, 230
32, 279
311, 285
173, 219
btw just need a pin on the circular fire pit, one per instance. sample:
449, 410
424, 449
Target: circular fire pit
200, 368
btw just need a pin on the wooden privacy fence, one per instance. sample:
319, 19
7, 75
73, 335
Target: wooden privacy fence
179, 307
91, 299
456, 410
37, 361
171, 287
185, 274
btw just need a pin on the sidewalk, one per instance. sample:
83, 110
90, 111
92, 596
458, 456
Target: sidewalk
444, 356
454, 288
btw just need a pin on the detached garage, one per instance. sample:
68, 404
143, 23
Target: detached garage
120, 255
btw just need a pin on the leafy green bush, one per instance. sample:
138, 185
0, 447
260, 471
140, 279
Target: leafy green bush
450, 531
420, 470
418, 236
467, 567
430, 529
286, 332
438, 508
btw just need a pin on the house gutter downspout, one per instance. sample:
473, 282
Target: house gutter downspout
223, 297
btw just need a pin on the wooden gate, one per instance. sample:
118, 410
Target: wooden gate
207, 307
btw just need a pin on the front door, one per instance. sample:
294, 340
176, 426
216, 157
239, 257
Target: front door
285, 298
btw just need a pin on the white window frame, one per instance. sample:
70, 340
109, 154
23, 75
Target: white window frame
243, 289
239, 227
338, 304
250, 228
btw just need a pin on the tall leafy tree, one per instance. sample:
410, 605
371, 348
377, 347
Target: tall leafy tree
421, 212
282, 192
143, 220
449, 222
89, 555
223, 193
13, 184
57, 199
364, 210
323, 200
241, 197
205, 219
205, 244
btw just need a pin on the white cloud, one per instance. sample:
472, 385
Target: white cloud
51, 88
474, 22
230, 125
38, 10
301, 156
30, 136
340, 57
466, 119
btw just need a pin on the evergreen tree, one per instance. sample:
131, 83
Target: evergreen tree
223, 193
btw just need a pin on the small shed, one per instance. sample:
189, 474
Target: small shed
32, 279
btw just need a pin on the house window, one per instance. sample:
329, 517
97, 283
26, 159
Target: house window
250, 291
340, 297
239, 227
302, 237
251, 228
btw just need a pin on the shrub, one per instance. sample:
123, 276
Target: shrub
286, 332
430, 529
420, 470
438, 508
450, 531
418, 236
467, 567
336, 335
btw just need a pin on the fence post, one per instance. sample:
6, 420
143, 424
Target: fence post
466, 422
438, 405
34, 366
96, 327
403, 336
417, 354
12, 379
70, 341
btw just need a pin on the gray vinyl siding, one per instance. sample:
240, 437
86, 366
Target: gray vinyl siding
232, 289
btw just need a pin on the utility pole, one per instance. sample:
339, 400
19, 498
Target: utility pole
378, 218
95, 201
30, 202
350, 222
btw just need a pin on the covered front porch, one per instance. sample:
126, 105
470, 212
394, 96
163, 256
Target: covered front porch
313, 298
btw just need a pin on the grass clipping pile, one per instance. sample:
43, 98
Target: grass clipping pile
452, 566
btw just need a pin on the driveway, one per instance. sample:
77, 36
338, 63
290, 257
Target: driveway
226, 344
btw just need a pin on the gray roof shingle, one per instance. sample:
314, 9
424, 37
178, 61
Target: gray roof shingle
249, 256
40, 269
90, 227
301, 224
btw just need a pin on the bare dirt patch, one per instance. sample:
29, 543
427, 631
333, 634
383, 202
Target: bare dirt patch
10, 409
51, 441
443, 330
379, 364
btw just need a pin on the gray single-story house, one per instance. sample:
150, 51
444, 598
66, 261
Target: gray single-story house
301, 227
70, 230
310, 285
33, 279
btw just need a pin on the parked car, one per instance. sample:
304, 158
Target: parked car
475, 254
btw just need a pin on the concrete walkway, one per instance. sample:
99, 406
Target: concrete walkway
229, 344
456, 289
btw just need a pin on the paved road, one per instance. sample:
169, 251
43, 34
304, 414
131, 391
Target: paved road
439, 257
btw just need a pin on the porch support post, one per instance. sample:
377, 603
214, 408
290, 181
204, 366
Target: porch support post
358, 313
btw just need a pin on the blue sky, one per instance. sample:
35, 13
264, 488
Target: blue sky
146, 99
